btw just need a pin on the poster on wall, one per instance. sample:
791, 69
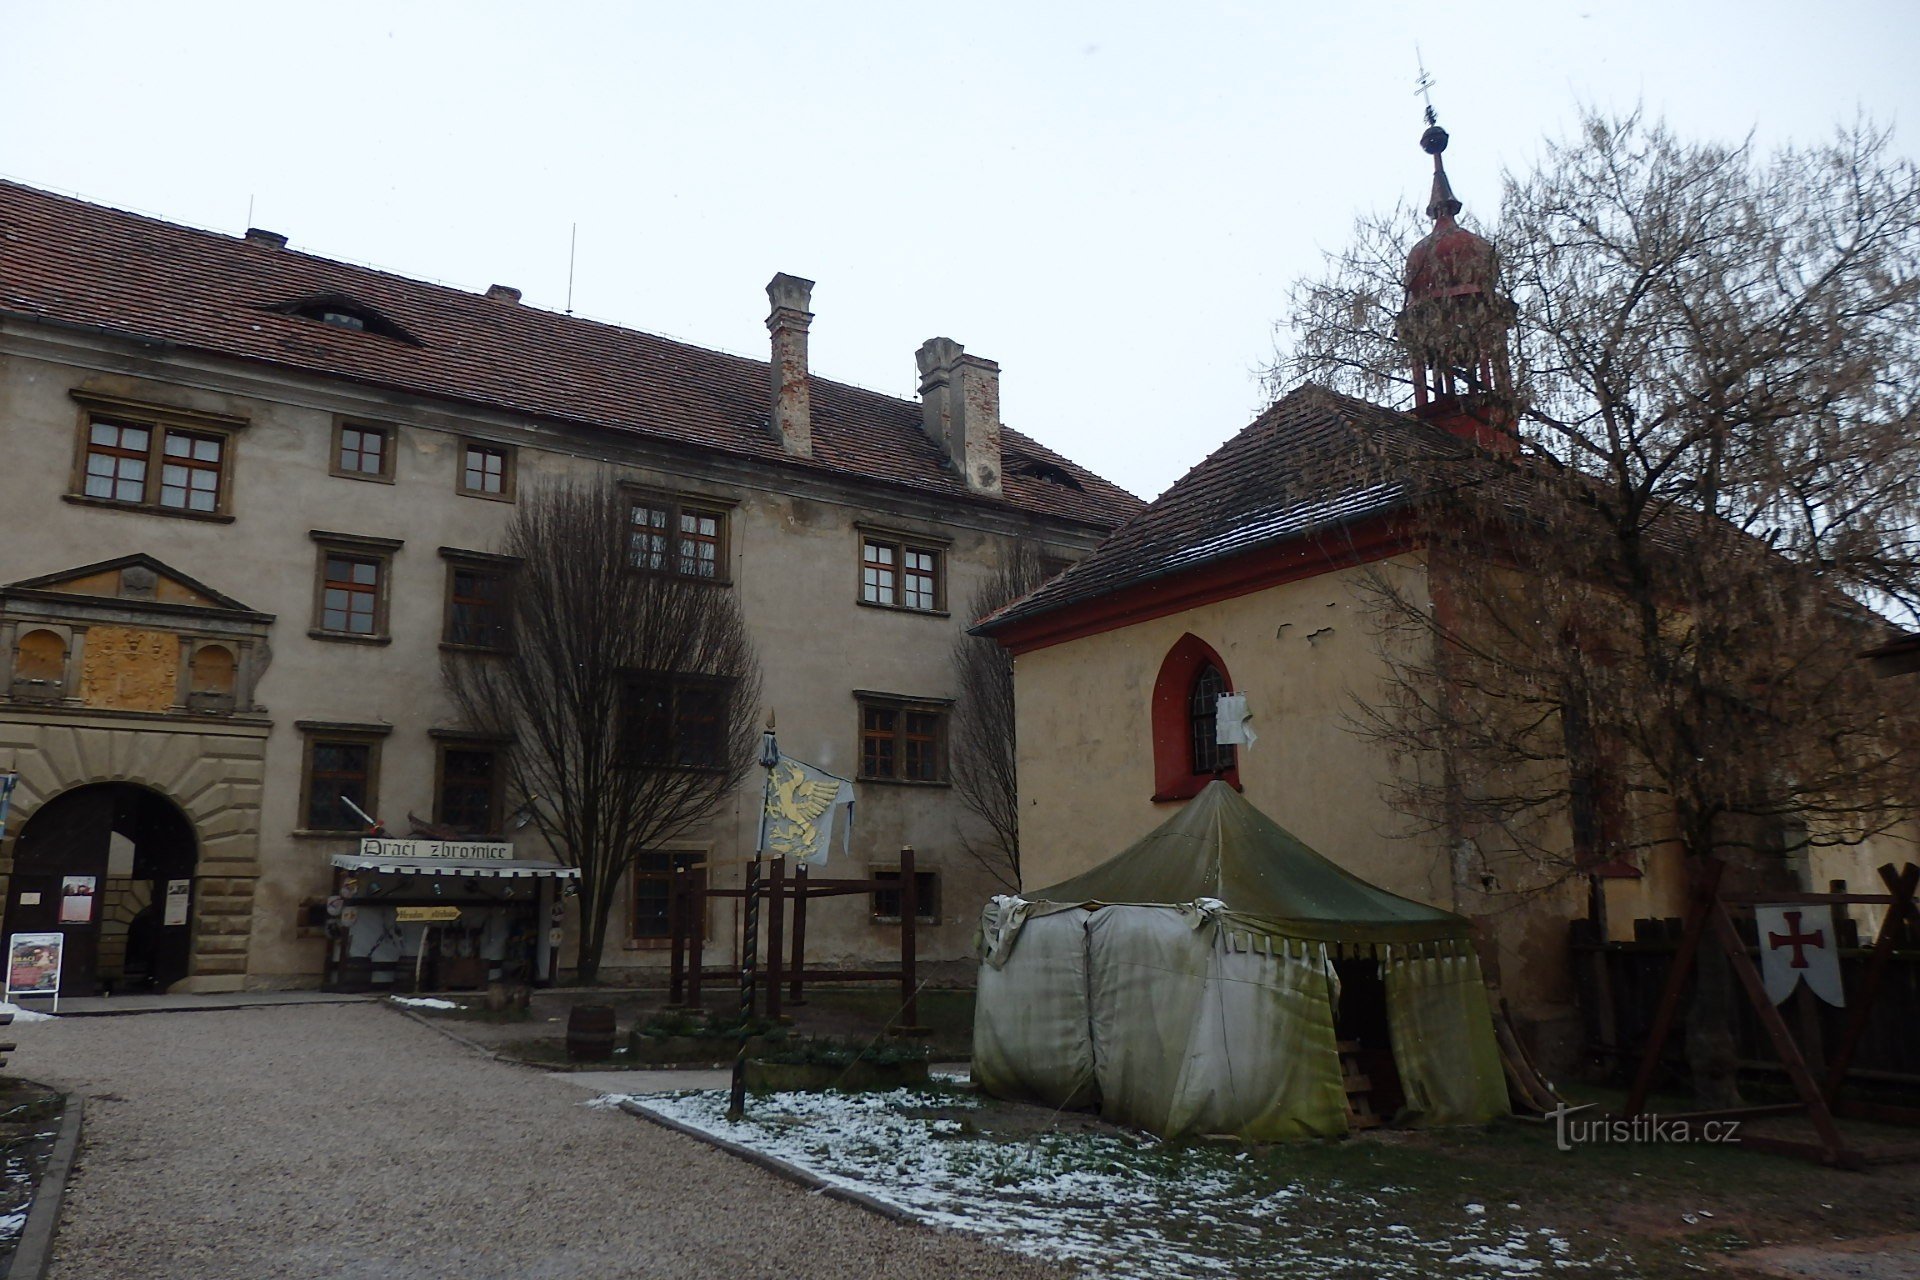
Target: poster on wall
179, 893
33, 963
76, 899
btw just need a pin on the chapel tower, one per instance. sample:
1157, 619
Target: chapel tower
1455, 322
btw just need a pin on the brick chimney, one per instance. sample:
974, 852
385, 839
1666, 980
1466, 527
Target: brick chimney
960, 410
788, 323
266, 239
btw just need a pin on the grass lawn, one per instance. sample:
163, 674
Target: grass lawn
1495, 1202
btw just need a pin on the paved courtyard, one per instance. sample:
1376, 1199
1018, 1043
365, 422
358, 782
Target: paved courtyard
348, 1141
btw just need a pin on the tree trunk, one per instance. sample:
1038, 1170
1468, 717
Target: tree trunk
1712, 1056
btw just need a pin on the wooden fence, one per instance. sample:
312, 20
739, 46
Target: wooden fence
1619, 986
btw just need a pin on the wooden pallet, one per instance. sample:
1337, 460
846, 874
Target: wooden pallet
1359, 1087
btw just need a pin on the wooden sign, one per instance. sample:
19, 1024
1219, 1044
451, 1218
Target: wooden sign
426, 915
477, 850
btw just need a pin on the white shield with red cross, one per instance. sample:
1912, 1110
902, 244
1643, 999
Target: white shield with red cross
1796, 942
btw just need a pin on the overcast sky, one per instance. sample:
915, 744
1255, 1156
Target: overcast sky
1108, 198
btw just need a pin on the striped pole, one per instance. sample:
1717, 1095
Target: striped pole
750, 931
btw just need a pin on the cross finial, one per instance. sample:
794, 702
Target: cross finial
1424, 86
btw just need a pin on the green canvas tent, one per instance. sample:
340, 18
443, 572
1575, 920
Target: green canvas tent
1189, 985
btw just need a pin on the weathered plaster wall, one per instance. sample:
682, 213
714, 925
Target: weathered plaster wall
1302, 653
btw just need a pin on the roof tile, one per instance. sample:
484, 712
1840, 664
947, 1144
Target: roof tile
78, 263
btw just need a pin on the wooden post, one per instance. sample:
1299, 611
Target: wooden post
776, 933
798, 994
676, 962
1902, 888
909, 912
696, 939
1698, 908
1817, 1109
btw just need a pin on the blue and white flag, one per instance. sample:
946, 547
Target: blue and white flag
802, 808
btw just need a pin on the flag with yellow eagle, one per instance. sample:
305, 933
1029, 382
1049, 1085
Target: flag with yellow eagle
803, 803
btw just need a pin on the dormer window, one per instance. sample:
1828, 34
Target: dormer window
1021, 464
338, 311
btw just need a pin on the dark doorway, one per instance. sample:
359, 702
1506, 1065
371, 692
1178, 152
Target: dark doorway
99, 864
1360, 1025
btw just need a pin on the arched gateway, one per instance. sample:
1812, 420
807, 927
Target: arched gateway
111, 866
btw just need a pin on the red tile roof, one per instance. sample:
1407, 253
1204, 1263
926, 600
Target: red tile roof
1316, 460
65, 260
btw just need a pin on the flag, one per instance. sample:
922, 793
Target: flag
802, 806
1797, 944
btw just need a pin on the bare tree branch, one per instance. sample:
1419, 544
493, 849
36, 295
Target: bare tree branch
631, 698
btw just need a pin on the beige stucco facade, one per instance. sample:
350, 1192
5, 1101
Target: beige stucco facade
1306, 655
793, 545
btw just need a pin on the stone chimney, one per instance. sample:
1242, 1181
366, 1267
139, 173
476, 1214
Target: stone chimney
266, 239
788, 323
960, 410
503, 293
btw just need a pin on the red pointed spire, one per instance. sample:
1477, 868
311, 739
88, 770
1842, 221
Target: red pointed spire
1455, 320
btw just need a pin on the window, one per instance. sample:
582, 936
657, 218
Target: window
479, 600
652, 883
902, 739
674, 721
342, 771
1202, 718
926, 896
154, 459
350, 600
362, 451
672, 536
467, 798
1185, 702
486, 471
350, 594
901, 575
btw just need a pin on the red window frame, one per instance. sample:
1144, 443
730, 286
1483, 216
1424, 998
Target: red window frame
1174, 774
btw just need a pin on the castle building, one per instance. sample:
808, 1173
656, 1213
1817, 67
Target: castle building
253, 495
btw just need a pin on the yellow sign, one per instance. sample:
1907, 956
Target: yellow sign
426, 915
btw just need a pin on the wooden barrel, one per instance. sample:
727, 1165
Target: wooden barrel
356, 974
590, 1033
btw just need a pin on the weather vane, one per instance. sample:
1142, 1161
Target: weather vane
1424, 85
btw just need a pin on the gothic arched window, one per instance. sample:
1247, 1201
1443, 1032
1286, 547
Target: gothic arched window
1185, 756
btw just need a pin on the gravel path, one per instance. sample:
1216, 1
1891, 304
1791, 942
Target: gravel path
347, 1141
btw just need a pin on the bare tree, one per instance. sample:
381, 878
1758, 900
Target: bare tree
630, 692
984, 773
1651, 582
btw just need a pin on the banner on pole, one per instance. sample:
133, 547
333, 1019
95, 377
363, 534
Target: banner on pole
1796, 943
803, 807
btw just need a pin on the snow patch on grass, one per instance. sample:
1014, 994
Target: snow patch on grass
1120, 1205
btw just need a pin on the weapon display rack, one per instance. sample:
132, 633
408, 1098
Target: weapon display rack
1820, 1100
787, 972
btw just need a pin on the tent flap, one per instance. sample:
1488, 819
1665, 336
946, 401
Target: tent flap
1442, 1028
1032, 1037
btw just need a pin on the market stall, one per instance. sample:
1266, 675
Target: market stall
443, 915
